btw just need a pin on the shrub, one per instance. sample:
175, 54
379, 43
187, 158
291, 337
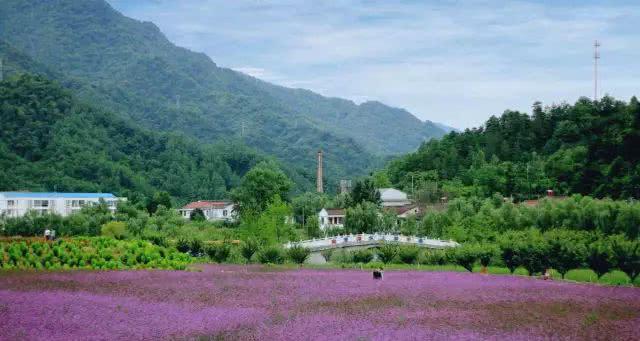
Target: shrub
409, 255
114, 229
342, 256
270, 255
362, 256
298, 254
197, 215
327, 254
387, 253
196, 248
218, 252
435, 257
249, 248
182, 245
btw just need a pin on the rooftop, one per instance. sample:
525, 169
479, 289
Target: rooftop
207, 204
45, 195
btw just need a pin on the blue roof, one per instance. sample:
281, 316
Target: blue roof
57, 195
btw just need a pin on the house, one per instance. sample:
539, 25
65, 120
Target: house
403, 212
221, 210
329, 218
17, 204
391, 197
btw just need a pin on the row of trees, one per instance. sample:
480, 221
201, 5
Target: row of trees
562, 250
589, 148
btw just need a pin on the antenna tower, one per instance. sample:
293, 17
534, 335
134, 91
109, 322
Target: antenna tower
596, 56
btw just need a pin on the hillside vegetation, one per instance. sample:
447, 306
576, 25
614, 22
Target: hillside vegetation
50, 141
588, 148
131, 68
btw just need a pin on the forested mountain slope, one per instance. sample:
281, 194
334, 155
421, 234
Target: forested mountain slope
49, 141
131, 68
589, 148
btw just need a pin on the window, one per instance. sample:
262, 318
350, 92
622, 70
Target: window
41, 203
224, 213
11, 202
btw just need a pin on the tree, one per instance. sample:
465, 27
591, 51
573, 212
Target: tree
159, 198
298, 254
197, 215
381, 179
363, 218
566, 250
533, 253
626, 254
259, 187
365, 191
600, 257
271, 255
485, 253
307, 205
465, 255
272, 226
509, 250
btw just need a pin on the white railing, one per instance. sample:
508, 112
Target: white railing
365, 239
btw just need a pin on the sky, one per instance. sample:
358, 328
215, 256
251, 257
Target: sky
453, 62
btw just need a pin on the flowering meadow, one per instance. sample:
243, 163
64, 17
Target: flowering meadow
269, 303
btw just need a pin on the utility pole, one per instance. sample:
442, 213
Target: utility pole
596, 56
1, 71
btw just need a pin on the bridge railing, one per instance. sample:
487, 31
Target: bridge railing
363, 239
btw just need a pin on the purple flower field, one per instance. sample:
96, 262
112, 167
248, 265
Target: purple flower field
255, 303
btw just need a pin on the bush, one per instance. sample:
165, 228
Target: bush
565, 250
387, 253
196, 248
435, 257
271, 255
218, 252
342, 256
114, 229
409, 255
362, 256
485, 253
298, 254
89, 253
327, 254
249, 248
197, 215
182, 245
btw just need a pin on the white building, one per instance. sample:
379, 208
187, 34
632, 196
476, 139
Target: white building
331, 218
213, 210
17, 204
392, 197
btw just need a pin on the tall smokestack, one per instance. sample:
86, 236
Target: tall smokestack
319, 175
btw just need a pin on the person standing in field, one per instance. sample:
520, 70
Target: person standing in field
47, 235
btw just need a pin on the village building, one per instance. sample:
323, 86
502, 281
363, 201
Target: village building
17, 204
403, 212
329, 218
220, 210
391, 197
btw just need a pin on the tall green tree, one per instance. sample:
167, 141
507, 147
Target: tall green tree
259, 187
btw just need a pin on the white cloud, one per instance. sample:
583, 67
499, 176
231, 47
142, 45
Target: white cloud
451, 62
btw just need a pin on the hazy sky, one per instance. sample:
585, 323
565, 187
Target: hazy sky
455, 62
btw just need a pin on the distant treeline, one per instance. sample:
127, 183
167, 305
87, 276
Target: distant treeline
590, 147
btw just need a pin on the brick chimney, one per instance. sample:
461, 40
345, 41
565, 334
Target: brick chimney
319, 183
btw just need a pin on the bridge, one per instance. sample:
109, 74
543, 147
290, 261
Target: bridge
364, 240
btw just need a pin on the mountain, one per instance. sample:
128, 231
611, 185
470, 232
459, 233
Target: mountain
130, 68
50, 141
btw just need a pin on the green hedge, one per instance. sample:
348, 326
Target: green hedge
89, 253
